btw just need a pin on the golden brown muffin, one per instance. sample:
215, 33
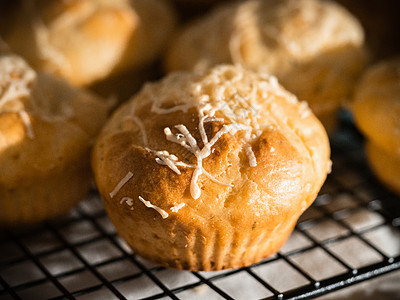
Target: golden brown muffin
206, 171
377, 105
385, 165
46, 132
315, 48
377, 114
85, 41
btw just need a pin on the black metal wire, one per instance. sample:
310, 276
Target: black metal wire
37, 262
346, 159
8, 289
345, 280
132, 258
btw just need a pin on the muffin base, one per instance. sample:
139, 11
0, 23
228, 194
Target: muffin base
200, 246
32, 200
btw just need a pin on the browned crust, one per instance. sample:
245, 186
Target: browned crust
226, 227
46, 175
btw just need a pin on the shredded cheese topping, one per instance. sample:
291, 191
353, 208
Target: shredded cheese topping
27, 122
128, 201
162, 212
251, 156
120, 184
224, 105
177, 207
223, 96
16, 78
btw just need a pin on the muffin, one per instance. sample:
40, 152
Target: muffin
377, 113
46, 132
315, 48
210, 170
85, 41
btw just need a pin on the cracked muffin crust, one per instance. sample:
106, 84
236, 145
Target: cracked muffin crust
206, 171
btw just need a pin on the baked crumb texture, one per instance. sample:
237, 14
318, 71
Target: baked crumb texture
377, 113
210, 170
46, 130
315, 48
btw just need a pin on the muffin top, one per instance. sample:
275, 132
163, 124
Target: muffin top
315, 48
207, 145
85, 40
43, 120
377, 105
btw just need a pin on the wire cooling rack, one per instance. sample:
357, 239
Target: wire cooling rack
350, 234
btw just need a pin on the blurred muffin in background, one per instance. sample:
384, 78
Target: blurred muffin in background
315, 48
377, 113
87, 41
381, 22
47, 129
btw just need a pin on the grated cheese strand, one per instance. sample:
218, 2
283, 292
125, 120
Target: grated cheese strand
162, 212
212, 178
16, 78
168, 163
178, 139
189, 138
167, 159
213, 120
202, 130
128, 201
195, 190
251, 156
177, 207
219, 92
27, 122
120, 184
